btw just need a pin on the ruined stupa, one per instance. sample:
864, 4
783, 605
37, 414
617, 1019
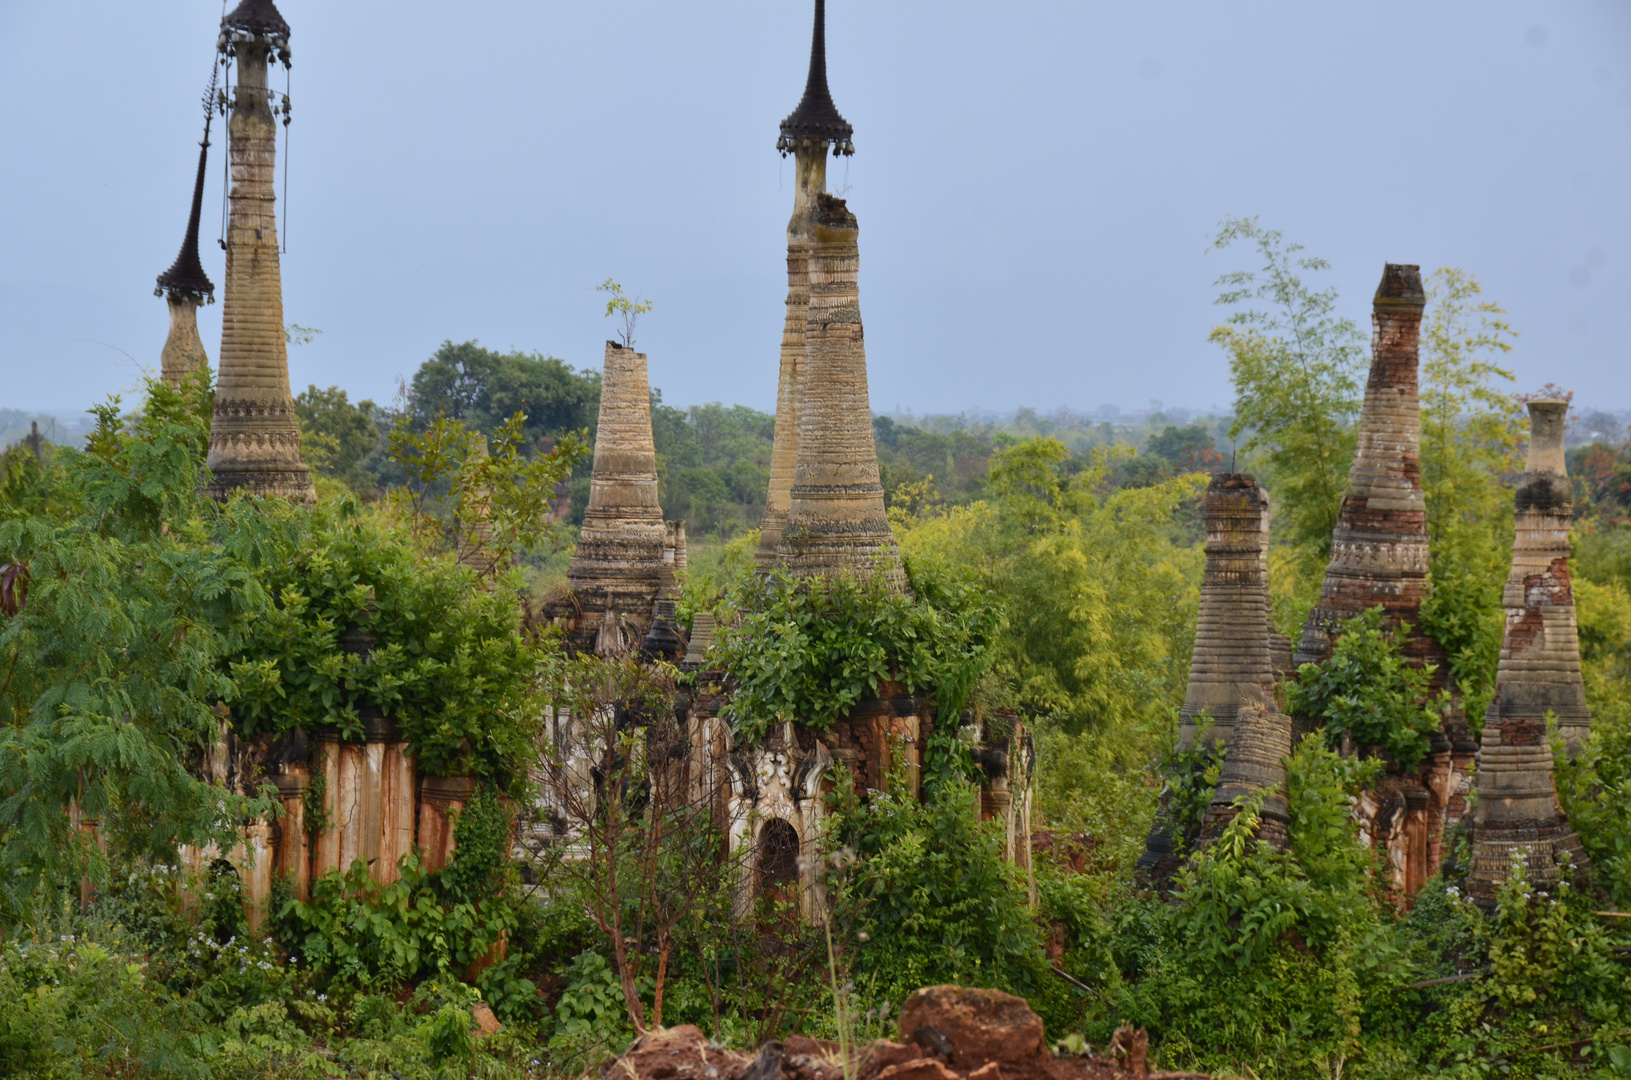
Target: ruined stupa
185, 285
1539, 669
1253, 762
1280, 651
836, 522
1232, 666
619, 563
254, 434
1379, 547
1539, 673
1233, 660
807, 133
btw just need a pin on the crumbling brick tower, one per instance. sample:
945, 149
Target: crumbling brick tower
1379, 548
1232, 666
836, 522
254, 434
618, 567
1379, 557
1539, 674
807, 133
185, 285
1232, 659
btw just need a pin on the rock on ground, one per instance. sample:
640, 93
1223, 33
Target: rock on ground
946, 1033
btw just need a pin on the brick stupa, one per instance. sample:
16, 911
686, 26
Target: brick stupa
1539, 674
807, 133
1232, 666
1379, 548
254, 433
618, 567
1233, 658
836, 522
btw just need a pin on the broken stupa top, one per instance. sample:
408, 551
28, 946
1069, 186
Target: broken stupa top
1379, 548
1232, 660
1539, 669
816, 117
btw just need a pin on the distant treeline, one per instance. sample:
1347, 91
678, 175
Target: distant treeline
713, 460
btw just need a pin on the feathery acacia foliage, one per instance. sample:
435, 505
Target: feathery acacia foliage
1298, 370
109, 671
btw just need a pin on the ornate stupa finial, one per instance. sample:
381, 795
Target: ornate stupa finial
816, 118
254, 433
256, 19
185, 285
186, 276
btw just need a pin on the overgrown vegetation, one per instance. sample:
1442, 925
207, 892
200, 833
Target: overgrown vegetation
1054, 569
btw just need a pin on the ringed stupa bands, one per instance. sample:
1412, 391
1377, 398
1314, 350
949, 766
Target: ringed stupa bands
254, 433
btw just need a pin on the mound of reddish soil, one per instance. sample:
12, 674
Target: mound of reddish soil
946, 1033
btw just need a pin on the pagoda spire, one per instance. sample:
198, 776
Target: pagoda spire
618, 570
1232, 669
184, 285
1233, 659
836, 522
1379, 547
1538, 676
254, 433
816, 118
806, 134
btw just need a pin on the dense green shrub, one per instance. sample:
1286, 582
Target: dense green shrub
930, 896
448, 657
1369, 692
810, 649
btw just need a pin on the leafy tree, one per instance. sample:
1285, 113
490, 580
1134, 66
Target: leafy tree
1470, 437
1187, 449
483, 388
809, 649
713, 465
337, 438
1298, 371
625, 309
1099, 601
1370, 693
117, 617
931, 895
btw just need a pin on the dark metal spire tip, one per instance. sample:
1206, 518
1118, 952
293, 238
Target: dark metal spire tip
186, 277
816, 117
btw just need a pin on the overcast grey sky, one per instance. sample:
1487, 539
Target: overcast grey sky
1036, 183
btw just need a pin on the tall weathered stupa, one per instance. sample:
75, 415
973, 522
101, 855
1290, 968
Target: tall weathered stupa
1539, 670
1233, 660
254, 434
807, 133
1379, 547
1539, 674
185, 285
836, 522
618, 567
1232, 670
